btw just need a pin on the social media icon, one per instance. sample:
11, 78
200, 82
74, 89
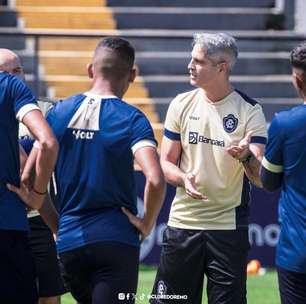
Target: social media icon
121, 296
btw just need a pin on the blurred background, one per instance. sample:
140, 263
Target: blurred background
55, 39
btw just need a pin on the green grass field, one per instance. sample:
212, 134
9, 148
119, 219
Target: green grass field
261, 289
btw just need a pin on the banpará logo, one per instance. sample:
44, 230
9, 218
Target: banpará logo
83, 134
230, 123
194, 138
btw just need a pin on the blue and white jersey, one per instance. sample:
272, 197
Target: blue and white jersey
16, 100
94, 173
284, 165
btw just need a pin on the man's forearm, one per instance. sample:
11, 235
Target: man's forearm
46, 155
23, 158
251, 167
49, 214
173, 174
45, 162
154, 196
28, 174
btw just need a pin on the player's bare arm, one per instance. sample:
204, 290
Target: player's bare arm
250, 155
251, 165
170, 154
49, 214
28, 173
23, 158
46, 157
154, 192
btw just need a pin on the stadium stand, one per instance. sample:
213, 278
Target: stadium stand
8, 19
9, 23
265, 32
161, 31
63, 61
8, 16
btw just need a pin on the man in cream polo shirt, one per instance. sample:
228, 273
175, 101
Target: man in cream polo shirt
214, 139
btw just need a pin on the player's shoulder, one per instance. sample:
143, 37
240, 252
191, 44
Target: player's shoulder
124, 110
186, 97
182, 101
11, 81
6, 75
290, 118
63, 110
294, 111
124, 106
245, 99
70, 101
64, 105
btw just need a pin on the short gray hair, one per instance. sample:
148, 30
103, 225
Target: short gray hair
219, 46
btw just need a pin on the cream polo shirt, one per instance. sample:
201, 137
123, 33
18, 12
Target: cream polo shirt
205, 129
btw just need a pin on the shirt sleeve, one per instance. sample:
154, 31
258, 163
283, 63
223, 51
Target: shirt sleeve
273, 158
24, 100
257, 123
142, 133
172, 123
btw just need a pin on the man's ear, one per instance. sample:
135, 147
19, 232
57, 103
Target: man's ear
223, 67
133, 74
89, 70
298, 80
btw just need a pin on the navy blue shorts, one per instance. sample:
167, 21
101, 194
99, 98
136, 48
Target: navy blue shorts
292, 286
189, 254
103, 272
17, 270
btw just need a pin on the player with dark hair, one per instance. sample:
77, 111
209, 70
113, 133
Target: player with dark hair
100, 136
17, 276
284, 167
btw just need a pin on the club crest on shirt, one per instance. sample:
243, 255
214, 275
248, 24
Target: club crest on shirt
230, 123
193, 137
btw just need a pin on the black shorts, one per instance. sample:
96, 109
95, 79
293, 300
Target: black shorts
49, 280
17, 270
104, 272
292, 286
189, 254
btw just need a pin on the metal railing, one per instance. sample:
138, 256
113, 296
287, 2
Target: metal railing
36, 35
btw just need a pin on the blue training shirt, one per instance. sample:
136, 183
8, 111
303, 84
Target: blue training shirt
16, 100
94, 172
284, 165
